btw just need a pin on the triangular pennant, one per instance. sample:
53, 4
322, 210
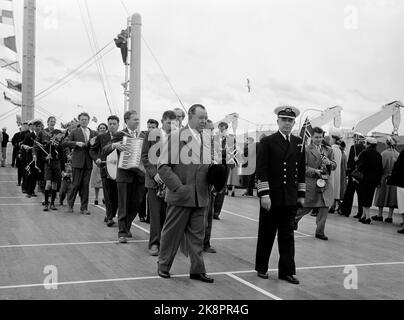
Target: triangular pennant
9, 42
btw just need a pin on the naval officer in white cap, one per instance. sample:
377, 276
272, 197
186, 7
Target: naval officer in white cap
281, 188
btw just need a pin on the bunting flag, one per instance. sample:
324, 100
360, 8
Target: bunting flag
18, 104
10, 65
9, 42
6, 17
14, 85
306, 131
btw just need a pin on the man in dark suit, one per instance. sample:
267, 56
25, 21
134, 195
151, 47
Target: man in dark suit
154, 184
28, 145
25, 130
183, 171
130, 182
352, 186
109, 186
14, 142
4, 143
281, 188
144, 211
82, 164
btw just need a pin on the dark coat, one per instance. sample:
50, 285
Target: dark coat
355, 151
371, 165
122, 175
150, 165
187, 183
96, 151
80, 156
5, 140
397, 175
281, 169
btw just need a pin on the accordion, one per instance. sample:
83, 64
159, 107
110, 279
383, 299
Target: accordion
131, 160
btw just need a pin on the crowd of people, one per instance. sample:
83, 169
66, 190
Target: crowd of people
176, 195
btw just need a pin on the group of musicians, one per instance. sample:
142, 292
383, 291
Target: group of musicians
180, 181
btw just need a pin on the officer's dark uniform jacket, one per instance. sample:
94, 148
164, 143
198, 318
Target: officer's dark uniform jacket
281, 169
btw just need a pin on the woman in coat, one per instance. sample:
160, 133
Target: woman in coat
371, 167
95, 180
386, 195
397, 179
336, 174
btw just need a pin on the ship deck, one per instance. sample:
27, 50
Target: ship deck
90, 264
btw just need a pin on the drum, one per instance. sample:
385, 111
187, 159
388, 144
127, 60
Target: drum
112, 164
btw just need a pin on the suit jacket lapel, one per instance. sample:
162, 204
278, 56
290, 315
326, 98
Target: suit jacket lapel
315, 152
81, 135
281, 141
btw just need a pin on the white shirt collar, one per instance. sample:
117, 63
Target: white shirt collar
284, 135
195, 134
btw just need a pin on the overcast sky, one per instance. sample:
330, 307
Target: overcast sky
308, 53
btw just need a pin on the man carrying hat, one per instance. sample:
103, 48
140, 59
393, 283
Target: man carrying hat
281, 188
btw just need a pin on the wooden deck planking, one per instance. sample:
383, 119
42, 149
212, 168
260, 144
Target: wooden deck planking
350, 243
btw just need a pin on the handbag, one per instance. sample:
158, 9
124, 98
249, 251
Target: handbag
357, 175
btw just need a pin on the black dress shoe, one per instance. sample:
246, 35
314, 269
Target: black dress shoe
263, 275
216, 218
366, 221
377, 218
358, 216
290, 279
129, 235
209, 250
106, 219
321, 237
400, 231
110, 223
201, 277
388, 220
164, 274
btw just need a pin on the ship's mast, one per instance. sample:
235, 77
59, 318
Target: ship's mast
135, 58
28, 64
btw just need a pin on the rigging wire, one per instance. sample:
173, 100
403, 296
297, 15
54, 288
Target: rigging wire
61, 84
5, 114
125, 7
94, 46
95, 56
157, 62
164, 74
102, 65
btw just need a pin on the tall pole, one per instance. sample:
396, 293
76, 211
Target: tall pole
134, 84
28, 64
127, 70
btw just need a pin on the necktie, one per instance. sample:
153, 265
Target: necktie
287, 139
224, 150
85, 135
